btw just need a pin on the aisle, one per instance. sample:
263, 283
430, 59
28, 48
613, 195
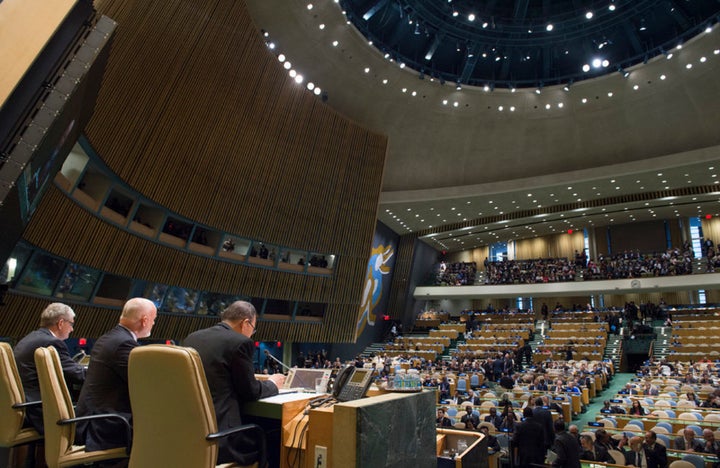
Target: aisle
617, 384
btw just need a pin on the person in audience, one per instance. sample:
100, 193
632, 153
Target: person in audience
603, 440
226, 350
444, 388
106, 385
591, 452
710, 445
656, 454
544, 417
687, 441
494, 418
636, 455
650, 389
574, 431
508, 420
493, 444
528, 448
636, 409
565, 447
470, 419
57, 321
442, 420
473, 398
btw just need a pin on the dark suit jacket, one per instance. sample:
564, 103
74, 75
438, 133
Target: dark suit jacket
106, 390
544, 417
656, 456
531, 448
227, 357
25, 357
680, 445
601, 455
567, 450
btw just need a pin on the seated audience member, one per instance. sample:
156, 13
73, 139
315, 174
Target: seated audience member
611, 409
493, 444
710, 445
442, 420
687, 441
227, 351
636, 409
106, 384
591, 452
603, 440
575, 432
470, 420
494, 418
508, 420
56, 323
636, 455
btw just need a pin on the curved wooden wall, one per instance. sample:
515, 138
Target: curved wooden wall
198, 115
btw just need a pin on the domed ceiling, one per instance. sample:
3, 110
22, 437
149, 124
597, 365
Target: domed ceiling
526, 43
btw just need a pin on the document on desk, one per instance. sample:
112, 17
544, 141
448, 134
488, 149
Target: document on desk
286, 397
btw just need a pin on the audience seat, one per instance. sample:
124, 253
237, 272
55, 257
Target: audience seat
681, 464
619, 457
59, 417
12, 404
696, 460
174, 419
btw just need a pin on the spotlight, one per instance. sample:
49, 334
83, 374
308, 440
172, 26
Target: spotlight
642, 27
458, 86
586, 68
623, 72
549, 27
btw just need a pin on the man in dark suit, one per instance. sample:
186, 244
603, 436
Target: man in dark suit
106, 385
656, 453
56, 323
529, 448
687, 441
565, 447
591, 452
227, 352
636, 455
471, 421
544, 417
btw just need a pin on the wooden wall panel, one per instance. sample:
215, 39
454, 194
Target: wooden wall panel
196, 114
553, 246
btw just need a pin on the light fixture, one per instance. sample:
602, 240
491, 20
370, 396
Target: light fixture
642, 27
549, 27
589, 15
623, 72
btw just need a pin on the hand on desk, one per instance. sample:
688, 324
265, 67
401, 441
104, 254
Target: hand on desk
277, 379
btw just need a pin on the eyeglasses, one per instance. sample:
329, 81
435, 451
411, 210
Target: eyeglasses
253, 325
72, 324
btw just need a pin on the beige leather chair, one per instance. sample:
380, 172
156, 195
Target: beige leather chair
59, 417
174, 419
12, 404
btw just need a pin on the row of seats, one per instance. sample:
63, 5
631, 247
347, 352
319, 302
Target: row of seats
174, 421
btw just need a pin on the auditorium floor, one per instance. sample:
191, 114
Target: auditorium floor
617, 384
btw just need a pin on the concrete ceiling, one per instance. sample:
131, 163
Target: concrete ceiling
506, 165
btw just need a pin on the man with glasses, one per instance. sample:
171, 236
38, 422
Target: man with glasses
227, 351
56, 324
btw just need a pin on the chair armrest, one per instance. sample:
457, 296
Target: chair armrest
27, 404
233, 430
128, 429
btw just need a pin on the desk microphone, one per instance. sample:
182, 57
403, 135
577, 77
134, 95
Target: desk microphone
268, 355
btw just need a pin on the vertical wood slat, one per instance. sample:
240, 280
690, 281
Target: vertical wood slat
197, 115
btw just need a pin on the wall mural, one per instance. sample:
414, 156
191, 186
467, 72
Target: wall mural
377, 279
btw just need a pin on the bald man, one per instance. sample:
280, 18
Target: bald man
106, 384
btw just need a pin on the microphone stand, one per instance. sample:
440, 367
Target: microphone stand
268, 355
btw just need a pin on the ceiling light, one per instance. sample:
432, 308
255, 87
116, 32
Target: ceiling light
586, 68
597, 63
642, 25
611, 7
281, 58
688, 66
589, 15
335, 44
549, 27
662, 77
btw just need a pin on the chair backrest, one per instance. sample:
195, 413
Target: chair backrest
698, 430
660, 430
696, 460
632, 428
171, 415
474, 380
617, 456
56, 405
638, 423
663, 439
461, 384
712, 417
11, 393
681, 464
